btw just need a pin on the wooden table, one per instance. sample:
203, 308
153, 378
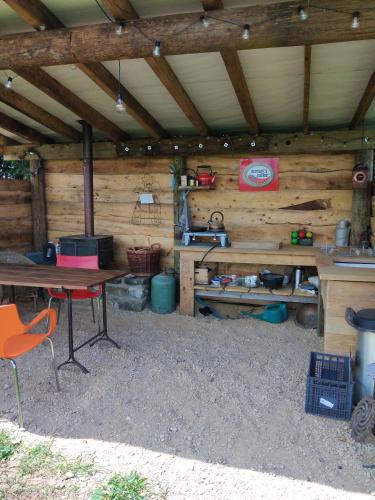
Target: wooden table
189, 255
68, 279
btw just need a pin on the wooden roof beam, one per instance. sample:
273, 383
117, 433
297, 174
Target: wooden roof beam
168, 78
35, 12
28, 108
306, 89
276, 25
51, 87
237, 77
107, 82
21, 130
365, 103
120, 10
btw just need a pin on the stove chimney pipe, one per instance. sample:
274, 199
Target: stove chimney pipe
88, 179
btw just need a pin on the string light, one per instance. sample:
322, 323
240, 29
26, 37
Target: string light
156, 49
119, 104
119, 29
303, 15
246, 32
8, 84
42, 27
355, 20
205, 21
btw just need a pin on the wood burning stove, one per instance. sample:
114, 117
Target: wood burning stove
88, 243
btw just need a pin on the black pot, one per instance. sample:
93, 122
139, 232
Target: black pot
272, 281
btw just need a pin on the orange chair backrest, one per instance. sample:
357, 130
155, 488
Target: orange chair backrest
78, 261
10, 324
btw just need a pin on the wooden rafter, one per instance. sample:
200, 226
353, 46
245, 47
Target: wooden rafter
237, 77
6, 141
106, 81
306, 88
28, 108
212, 4
35, 13
99, 42
120, 10
168, 78
123, 10
364, 104
50, 86
18, 128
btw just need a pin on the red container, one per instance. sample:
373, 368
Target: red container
206, 178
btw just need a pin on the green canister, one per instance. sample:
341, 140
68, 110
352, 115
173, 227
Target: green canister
163, 293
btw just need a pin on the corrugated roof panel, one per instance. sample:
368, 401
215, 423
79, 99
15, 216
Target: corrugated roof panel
339, 75
206, 81
275, 80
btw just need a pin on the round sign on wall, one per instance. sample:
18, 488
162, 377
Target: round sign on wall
257, 174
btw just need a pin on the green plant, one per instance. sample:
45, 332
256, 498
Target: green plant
7, 446
80, 466
14, 169
36, 458
129, 487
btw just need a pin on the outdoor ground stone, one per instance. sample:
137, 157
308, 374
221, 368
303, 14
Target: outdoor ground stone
126, 410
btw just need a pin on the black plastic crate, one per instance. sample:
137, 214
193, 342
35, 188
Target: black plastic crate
329, 387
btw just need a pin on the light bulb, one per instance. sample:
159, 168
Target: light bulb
119, 29
303, 15
355, 20
8, 82
204, 20
156, 49
246, 32
42, 27
120, 106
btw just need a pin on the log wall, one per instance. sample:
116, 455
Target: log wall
303, 178
247, 215
15, 216
116, 186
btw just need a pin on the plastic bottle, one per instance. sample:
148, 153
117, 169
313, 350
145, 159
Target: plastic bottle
342, 233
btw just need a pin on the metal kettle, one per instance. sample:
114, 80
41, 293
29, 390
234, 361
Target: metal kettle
216, 223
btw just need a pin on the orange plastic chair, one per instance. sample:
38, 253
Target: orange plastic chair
16, 341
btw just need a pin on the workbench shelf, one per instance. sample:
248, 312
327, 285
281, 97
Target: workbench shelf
286, 294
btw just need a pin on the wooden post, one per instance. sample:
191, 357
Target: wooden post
38, 205
361, 205
178, 200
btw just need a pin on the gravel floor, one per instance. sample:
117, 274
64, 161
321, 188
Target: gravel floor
213, 409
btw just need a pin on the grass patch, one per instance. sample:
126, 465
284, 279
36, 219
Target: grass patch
127, 487
7, 446
41, 458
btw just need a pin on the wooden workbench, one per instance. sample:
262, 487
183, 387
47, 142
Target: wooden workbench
189, 255
340, 287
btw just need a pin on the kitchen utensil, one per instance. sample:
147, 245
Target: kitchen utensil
272, 281
216, 223
273, 313
205, 178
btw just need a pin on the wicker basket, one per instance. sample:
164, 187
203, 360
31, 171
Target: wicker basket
144, 259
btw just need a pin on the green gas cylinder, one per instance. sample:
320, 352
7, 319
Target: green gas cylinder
163, 293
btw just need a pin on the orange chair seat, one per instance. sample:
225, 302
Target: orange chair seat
19, 344
76, 294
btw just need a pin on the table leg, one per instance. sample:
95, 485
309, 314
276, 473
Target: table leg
104, 333
13, 294
186, 285
71, 359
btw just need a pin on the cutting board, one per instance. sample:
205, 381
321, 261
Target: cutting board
257, 244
